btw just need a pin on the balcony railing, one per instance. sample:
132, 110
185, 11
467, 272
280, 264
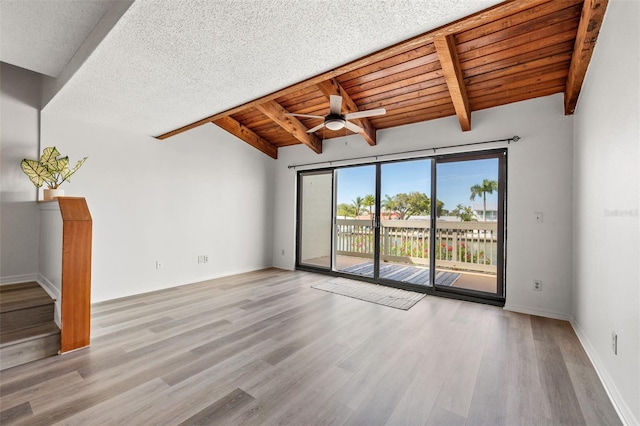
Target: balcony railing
469, 246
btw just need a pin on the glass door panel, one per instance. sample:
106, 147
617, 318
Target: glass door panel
467, 235
405, 188
355, 215
315, 219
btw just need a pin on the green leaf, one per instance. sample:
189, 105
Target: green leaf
38, 173
49, 158
60, 166
66, 173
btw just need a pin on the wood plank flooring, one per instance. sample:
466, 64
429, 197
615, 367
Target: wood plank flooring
265, 348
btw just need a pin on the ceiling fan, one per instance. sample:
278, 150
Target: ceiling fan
335, 120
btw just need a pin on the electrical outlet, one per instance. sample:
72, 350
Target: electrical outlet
203, 258
537, 285
614, 342
158, 264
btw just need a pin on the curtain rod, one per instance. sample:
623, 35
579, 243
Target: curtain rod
376, 157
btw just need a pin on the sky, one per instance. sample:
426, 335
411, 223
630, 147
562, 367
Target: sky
454, 180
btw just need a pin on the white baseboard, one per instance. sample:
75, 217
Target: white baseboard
17, 279
623, 410
54, 293
48, 287
229, 274
284, 266
537, 312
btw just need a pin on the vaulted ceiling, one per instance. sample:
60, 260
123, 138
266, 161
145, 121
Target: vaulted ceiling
514, 51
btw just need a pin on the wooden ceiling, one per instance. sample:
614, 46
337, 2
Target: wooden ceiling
517, 50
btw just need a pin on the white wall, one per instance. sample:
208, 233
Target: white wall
200, 193
50, 254
606, 295
19, 214
539, 179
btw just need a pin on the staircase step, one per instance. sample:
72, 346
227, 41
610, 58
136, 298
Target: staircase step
27, 329
8, 338
24, 295
24, 305
28, 344
28, 317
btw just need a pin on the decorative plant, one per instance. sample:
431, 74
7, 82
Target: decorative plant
50, 169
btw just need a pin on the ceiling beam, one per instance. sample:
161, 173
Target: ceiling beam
588, 29
292, 125
332, 87
446, 48
249, 136
498, 11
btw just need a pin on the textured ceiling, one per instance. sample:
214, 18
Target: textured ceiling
167, 63
42, 36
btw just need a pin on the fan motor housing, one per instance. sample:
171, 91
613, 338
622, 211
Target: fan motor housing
334, 121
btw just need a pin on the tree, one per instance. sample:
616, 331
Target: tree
412, 204
357, 203
369, 201
388, 204
402, 205
440, 210
419, 204
488, 186
346, 210
465, 213
406, 205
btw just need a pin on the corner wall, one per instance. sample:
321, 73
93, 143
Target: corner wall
19, 215
199, 193
606, 288
539, 180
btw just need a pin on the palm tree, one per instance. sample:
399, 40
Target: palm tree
388, 204
369, 201
488, 186
465, 213
357, 203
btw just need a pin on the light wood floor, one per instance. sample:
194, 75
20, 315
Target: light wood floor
265, 348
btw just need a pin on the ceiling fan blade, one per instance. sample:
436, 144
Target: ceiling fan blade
304, 115
363, 114
335, 104
354, 128
318, 127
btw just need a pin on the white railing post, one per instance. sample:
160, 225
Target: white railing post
454, 246
401, 239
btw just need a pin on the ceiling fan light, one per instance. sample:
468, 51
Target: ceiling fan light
334, 124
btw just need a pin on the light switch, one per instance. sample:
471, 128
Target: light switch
538, 217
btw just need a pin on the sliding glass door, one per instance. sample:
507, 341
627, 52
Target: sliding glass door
315, 212
354, 230
405, 226
468, 239
431, 224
